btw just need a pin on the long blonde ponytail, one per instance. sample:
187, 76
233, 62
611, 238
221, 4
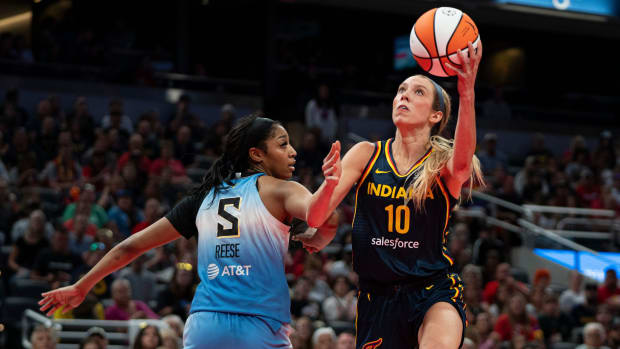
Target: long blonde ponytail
424, 178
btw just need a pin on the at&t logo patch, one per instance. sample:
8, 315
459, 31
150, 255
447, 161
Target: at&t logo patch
213, 270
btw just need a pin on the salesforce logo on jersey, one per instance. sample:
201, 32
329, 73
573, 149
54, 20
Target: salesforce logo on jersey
213, 271
394, 243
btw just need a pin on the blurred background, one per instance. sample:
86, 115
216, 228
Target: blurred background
110, 111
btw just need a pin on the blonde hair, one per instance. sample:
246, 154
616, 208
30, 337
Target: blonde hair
424, 177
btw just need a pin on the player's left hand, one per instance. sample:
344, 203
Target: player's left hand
469, 68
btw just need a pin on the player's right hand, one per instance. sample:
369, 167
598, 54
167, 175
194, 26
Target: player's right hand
69, 297
332, 167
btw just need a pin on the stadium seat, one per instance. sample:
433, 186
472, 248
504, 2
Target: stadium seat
28, 288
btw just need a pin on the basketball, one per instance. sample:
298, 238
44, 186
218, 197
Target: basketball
437, 36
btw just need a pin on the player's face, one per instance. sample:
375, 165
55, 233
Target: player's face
412, 106
279, 160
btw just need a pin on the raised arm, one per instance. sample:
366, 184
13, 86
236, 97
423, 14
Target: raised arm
157, 234
459, 167
339, 179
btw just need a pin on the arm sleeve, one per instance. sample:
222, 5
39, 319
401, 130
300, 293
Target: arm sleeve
183, 216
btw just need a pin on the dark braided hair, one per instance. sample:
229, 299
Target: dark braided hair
250, 131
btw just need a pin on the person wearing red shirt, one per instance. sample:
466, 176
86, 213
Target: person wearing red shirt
152, 212
168, 162
609, 288
135, 154
516, 321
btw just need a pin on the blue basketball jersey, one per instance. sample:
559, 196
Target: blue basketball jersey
241, 251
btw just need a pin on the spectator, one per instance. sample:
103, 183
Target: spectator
125, 307
80, 119
98, 169
324, 338
346, 340
34, 125
35, 222
56, 263
341, 306
64, 171
169, 339
491, 158
176, 299
309, 155
555, 325
116, 118
319, 289
502, 276
586, 311
13, 114
516, 321
184, 149
99, 334
135, 154
47, 141
540, 288
183, 116
148, 338
175, 323
321, 113
21, 159
86, 205
81, 233
167, 161
25, 250
90, 343
152, 212
43, 337
593, 337
142, 281
124, 214
573, 295
538, 150
609, 288
149, 137
303, 330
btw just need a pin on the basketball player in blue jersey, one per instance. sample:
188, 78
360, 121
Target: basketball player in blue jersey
406, 188
239, 215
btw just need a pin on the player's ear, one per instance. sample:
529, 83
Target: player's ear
256, 155
436, 117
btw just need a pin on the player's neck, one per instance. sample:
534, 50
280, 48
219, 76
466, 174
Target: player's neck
411, 146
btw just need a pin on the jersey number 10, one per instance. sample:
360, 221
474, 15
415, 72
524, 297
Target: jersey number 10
233, 231
398, 218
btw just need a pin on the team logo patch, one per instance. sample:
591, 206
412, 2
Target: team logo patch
373, 344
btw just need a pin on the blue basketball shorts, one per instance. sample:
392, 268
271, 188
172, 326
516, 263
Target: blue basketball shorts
209, 329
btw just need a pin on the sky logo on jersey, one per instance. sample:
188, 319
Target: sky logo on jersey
394, 243
213, 271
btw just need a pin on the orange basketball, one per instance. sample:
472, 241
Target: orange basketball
437, 35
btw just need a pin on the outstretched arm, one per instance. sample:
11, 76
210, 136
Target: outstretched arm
157, 234
339, 179
459, 166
